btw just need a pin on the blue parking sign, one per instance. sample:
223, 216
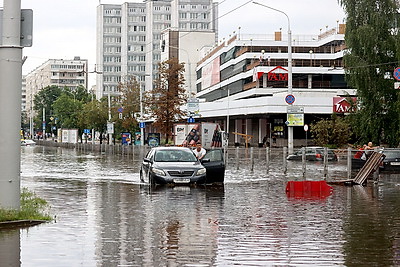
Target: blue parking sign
142, 125
190, 120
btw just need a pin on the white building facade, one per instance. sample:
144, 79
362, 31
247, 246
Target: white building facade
129, 37
243, 85
58, 72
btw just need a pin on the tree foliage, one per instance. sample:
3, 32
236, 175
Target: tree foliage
374, 52
333, 132
164, 102
129, 101
94, 115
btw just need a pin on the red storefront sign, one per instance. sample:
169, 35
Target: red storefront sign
343, 105
278, 74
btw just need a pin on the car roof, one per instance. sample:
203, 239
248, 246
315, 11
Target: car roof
171, 148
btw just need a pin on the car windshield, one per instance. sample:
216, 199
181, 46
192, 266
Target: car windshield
392, 154
175, 156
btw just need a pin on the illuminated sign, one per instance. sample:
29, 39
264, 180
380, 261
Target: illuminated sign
344, 104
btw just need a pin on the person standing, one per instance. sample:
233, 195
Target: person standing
199, 152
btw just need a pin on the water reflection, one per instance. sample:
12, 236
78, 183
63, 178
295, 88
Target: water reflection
106, 217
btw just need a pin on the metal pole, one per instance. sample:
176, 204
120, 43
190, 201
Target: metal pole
10, 105
325, 163
267, 157
290, 73
141, 115
349, 163
44, 123
284, 160
303, 160
109, 117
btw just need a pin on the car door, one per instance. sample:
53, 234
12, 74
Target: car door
214, 163
146, 164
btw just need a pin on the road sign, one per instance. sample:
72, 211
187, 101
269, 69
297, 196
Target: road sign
190, 120
290, 99
295, 109
26, 27
86, 131
110, 128
305, 127
396, 73
120, 110
142, 125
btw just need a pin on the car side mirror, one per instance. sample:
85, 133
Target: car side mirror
147, 160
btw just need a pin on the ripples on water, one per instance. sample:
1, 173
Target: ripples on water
105, 217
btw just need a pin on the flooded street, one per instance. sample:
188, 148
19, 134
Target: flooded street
105, 217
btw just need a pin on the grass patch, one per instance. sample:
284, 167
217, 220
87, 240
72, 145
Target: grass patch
32, 208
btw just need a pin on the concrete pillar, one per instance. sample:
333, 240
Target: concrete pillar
10, 105
309, 81
262, 130
249, 128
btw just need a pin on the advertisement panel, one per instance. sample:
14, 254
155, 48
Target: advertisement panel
153, 139
207, 131
180, 131
64, 136
69, 136
193, 135
295, 119
210, 73
126, 138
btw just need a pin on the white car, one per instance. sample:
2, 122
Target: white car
27, 142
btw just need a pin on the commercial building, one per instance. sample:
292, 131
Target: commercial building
243, 83
129, 37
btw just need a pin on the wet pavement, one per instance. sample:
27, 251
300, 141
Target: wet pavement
105, 217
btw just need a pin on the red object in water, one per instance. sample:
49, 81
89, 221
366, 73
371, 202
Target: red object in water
308, 189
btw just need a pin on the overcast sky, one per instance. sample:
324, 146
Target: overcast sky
67, 28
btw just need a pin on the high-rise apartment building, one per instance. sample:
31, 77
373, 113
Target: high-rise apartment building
59, 72
129, 37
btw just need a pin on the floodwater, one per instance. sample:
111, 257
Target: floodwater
105, 217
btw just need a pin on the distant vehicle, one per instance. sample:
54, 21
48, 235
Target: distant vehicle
27, 142
391, 163
179, 165
313, 153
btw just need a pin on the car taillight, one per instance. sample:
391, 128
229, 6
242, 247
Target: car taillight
318, 156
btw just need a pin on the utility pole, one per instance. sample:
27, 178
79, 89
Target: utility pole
10, 104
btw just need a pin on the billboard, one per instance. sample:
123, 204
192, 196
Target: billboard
210, 73
295, 119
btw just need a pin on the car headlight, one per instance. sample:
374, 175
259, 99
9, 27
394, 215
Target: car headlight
158, 171
201, 171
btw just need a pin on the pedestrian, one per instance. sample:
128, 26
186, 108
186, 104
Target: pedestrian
369, 149
199, 151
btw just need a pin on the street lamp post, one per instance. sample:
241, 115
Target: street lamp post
290, 74
141, 115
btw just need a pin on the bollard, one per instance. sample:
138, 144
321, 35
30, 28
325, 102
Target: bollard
285, 149
349, 163
325, 163
237, 158
303, 160
251, 159
267, 151
376, 172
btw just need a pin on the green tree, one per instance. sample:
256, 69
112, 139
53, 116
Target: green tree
333, 132
94, 115
67, 110
373, 44
164, 102
44, 99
